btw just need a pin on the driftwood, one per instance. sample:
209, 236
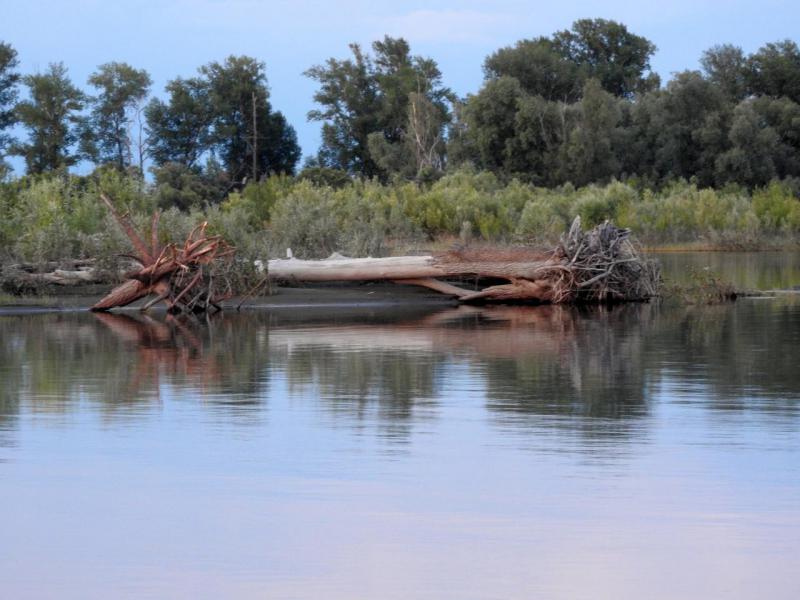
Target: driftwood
27, 276
178, 275
600, 265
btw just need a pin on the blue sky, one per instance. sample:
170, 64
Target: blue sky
173, 37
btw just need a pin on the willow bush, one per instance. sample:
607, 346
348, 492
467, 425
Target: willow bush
47, 218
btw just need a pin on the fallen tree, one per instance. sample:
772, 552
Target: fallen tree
22, 277
597, 266
181, 276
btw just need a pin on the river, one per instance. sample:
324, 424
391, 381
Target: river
645, 451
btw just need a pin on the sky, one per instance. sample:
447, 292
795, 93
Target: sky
172, 38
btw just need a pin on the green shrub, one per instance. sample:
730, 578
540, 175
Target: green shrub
52, 217
777, 208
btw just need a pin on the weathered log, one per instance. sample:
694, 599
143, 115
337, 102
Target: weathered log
26, 276
58, 277
601, 265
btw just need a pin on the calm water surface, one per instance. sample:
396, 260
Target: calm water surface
641, 452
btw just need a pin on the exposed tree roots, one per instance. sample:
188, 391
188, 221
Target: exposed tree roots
184, 277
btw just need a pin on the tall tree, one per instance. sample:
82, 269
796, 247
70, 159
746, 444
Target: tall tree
782, 116
491, 121
179, 128
541, 127
249, 137
122, 89
348, 95
726, 67
589, 149
540, 69
607, 51
51, 116
679, 131
366, 108
754, 146
9, 78
775, 70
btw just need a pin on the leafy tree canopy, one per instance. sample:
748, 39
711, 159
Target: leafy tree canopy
121, 92
51, 117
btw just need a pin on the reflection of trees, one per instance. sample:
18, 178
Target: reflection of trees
584, 366
742, 356
593, 372
535, 361
11, 375
359, 382
747, 270
117, 360
224, 359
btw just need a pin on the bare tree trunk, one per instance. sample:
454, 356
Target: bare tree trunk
601, 265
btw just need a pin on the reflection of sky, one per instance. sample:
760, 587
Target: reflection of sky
298, 505
172, 38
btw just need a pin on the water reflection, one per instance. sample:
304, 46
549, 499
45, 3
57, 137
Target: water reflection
470, 452
595, 373
211, 356
747, 270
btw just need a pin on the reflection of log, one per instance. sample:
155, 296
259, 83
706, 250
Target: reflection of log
514, 331
600, 265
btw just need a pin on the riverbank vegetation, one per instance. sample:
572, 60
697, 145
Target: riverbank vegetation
575, 123
48, 218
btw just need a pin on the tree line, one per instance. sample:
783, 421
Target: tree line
582, 106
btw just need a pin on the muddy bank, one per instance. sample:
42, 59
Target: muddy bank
319, 296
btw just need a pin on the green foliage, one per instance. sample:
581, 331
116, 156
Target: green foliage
726, 67
324, 176
539, 68
183, 187
556, 68
607, 51
490, 118
589, 147
48, 218
9, 78
775, 70
255, 202
108, 137
462, 202
243, 123
356, 220
51, 117
52, 217
383, 115
583, 106
224, 111
179, 128
777, 208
